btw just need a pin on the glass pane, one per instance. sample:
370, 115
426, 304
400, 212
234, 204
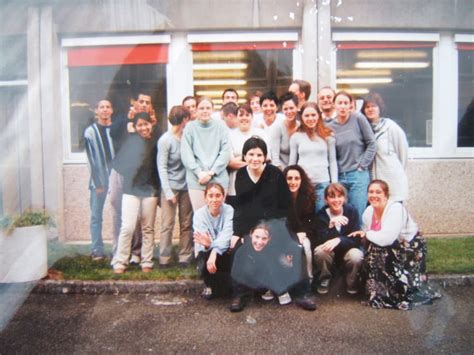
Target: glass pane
466, 99
13, 58
120, 84
404, 78
245, 71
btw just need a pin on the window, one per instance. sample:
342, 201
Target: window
13, 58
117, 72
244, 66
401, 72
465, 94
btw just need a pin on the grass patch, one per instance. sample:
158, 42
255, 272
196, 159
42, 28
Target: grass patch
450, 255
74, 262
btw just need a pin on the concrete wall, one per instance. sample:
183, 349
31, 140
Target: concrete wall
441, 198
404, 14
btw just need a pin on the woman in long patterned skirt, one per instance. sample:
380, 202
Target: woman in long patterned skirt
395, 261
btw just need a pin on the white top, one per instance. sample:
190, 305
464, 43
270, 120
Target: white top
391, 157
259, 122
396, 224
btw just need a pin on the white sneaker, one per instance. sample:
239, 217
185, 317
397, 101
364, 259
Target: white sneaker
206, 293
284, 298
134, 260
268, 296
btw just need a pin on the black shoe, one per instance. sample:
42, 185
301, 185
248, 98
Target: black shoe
165, 266
306, 302
183, 265
237, 304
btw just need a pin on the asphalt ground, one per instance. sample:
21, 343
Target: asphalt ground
185, 323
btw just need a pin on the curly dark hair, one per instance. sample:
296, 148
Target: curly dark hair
305, 201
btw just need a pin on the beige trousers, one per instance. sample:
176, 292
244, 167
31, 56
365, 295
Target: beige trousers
131, 208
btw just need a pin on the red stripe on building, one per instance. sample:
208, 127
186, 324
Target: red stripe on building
384, 45
118, 55
242, 46
466, 46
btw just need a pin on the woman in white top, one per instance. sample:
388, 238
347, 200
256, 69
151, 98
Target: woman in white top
237, 138
391, 157
269, 115
280, 134
313, 147
395, 260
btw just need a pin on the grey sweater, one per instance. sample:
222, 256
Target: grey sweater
170, 167
355, 143
317, 157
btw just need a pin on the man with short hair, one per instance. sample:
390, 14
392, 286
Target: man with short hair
189, 103
228, 95
302, 89
326, 103
229, 114
100, 152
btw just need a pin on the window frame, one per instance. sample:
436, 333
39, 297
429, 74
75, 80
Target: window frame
70, 157
460, 38
445, 86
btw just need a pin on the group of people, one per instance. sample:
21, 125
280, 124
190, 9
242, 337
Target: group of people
271, 195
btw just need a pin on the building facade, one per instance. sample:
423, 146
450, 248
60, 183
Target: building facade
61, 57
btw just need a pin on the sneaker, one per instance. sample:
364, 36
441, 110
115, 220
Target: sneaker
183, 265
352, 290
323, 287
284, 299
268, 296
146, 269
134, 260
119, 269
97, 256
207, 293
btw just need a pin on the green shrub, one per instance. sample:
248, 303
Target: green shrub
27, 219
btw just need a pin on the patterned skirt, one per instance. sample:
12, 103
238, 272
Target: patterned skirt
395, 275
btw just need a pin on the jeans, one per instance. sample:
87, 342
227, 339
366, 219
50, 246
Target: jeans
97, 202
356, 183
168, 216
319, 190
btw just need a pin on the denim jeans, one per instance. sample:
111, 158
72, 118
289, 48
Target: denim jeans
356, 183
319, 190
97, 202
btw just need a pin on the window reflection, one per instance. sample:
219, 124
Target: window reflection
243, 69
466, 95
119, 83
401, 73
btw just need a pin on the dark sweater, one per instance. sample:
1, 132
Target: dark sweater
136, 162
268, 198
324, 233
